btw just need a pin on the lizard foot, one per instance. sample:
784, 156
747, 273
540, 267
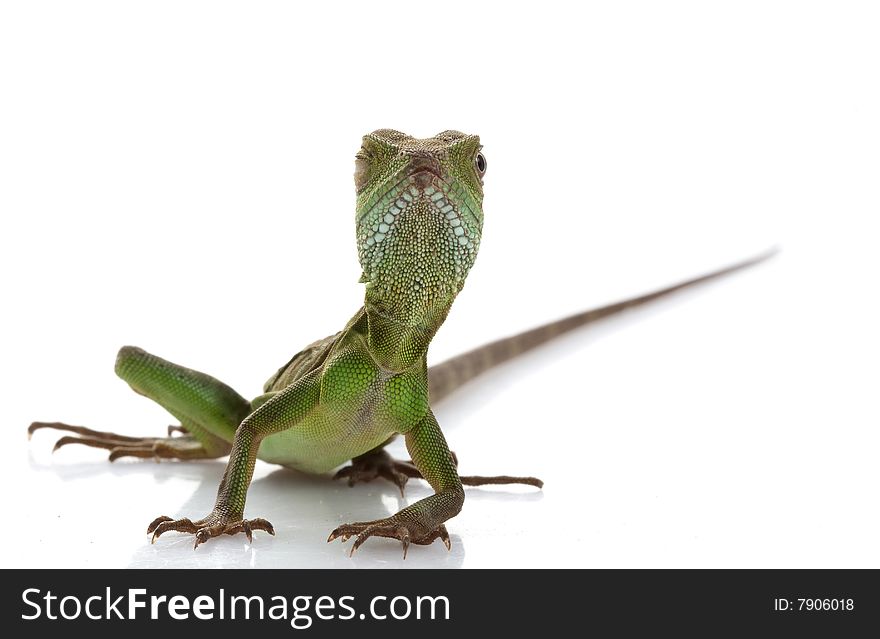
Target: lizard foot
211, 526
183, 446
406, 531
378, 463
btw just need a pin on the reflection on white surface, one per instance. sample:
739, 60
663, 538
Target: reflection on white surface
303, 509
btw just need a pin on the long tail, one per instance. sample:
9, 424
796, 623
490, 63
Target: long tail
444, 378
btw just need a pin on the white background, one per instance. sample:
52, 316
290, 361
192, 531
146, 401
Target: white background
178, 176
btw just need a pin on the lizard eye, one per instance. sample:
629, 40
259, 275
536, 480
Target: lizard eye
480, 164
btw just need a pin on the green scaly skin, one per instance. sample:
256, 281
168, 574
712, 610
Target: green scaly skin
418, 218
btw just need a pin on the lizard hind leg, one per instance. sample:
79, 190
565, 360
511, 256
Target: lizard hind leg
184, 446
378, 463
209, 412
375, 464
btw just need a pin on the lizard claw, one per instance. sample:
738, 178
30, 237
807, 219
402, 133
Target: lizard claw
389, 528
164, 524
183, 446
444, 537
155, 523
212, 526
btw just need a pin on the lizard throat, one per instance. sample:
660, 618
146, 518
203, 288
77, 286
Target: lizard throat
416, 244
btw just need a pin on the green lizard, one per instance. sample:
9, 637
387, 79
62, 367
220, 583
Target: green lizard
419, 218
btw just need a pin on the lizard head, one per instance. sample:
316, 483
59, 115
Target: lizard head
419, 217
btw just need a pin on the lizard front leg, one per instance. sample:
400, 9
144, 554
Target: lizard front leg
423, 521
284, 410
